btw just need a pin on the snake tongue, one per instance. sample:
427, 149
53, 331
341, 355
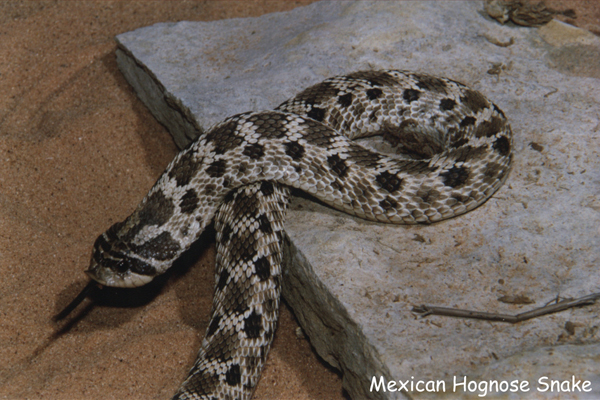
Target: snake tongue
87, 290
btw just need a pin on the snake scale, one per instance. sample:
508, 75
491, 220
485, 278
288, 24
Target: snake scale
454, 151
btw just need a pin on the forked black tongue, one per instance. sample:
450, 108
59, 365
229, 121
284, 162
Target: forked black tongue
87, 290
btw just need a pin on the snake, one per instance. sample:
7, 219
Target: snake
452, 151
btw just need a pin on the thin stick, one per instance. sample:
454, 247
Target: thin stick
425, 310
92, 285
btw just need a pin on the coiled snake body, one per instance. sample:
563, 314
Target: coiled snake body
455, 152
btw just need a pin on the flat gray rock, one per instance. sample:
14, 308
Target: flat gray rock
353, 283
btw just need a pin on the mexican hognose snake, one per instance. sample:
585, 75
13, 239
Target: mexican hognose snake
455, 150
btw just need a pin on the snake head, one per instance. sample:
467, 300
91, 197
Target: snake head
112, 264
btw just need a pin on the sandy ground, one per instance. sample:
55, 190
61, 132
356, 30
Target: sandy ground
78, 152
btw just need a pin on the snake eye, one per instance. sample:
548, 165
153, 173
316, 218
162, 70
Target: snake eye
122, 266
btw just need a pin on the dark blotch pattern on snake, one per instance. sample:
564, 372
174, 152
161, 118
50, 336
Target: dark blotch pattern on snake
454, 151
